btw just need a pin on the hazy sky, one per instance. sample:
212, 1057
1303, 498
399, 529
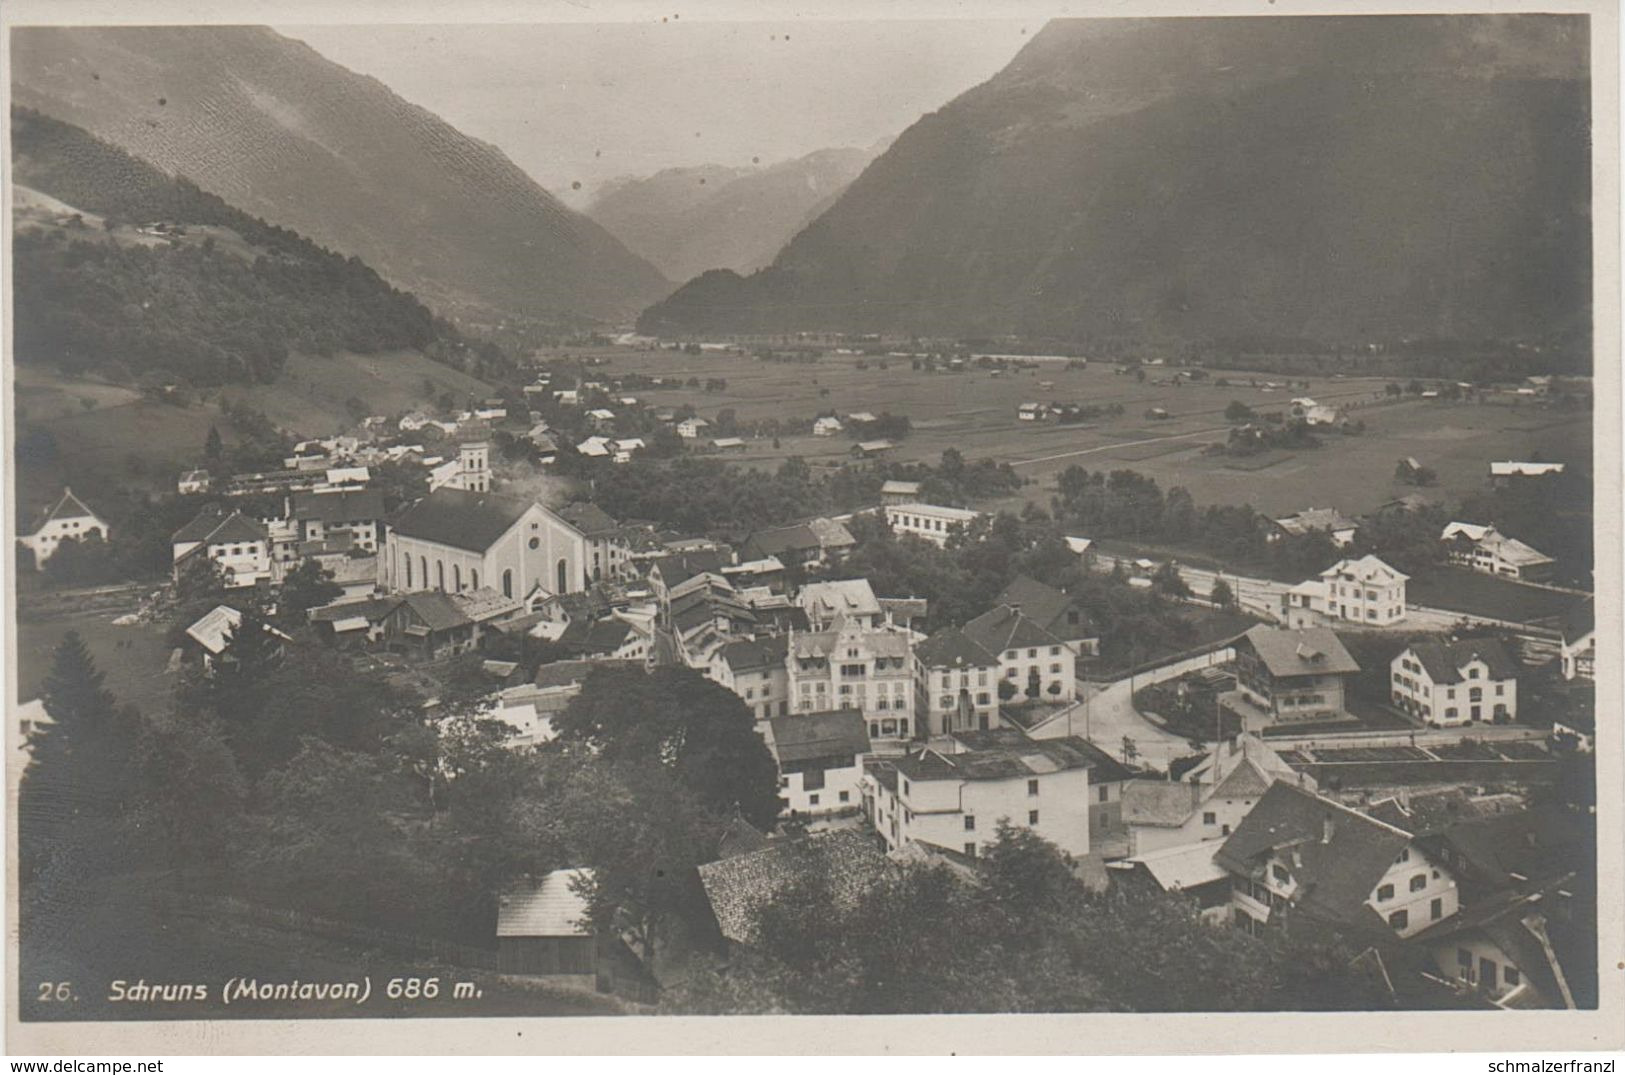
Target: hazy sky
581, 103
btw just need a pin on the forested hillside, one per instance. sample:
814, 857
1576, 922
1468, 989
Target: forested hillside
174, 282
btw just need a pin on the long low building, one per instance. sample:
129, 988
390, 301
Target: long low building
933, 522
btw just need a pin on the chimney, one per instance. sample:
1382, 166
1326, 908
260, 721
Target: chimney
1328, 828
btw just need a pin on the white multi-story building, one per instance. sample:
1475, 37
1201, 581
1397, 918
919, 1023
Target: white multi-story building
852, 667
240, 547
754, 669
1365, 591
1209, 801
1298, 853
956, 800
67, 520
933, 522
851, 600
1033, 660
956, 684
1456, 683
470, 471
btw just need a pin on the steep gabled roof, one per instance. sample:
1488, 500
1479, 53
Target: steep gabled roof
1002, 627
68, 507
752, 653
1444, 661
461, 519
1046, 605
1338, 854
437, 610
952, 648
796, 537
212, 527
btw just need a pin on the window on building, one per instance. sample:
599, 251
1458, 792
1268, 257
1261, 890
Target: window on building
440, 574
1500, 688
1032, 787
846, 796
507, 583
1419, 882
1105, 793
970, 849
1055, 651
1464, 957
1032, 817
1385, 892
561, 576
408, 561
970, 822
1436, 908
457, 577
1472, 673
812, 800
1054, 669
1280, 874
1399, 919
1210, 818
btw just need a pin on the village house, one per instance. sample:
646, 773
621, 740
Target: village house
794, 546
240, 547
66, 520
754, 669
1329, 521
706, 618
193, 481
852, 667
1456, 683
358, 514
955, 801
353, 622
1032, 660
691, 428
820, 759
1207, 802
768, 573
1032, 412
1578, 648
834, 539
1299, 853
671, 576
208, 639
728, 444
1290, 676
1054, 610
932, 522
1365, 591
869, 449
454, 539
613, 638
827, 426
1108, 778
1486, 549
851, 600
429, 625
956, 684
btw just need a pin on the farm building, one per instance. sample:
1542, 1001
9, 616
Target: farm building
67, 520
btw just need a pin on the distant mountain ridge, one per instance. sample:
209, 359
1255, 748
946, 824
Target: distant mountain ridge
271, 126
1327, 177
687, 220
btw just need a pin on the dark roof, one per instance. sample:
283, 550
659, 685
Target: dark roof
847, 860
1515, 921
809, 736
740, 838
66, 507
1002, 627
1046, 605
679, 567
437, 610
212, 527
461, 519
1001, 760
1535, 844
339, 507
952, 648
905, 609
589, 518
1580, 620
1422, 813
1340, 854
798, 536
372, 609
564, 673
755, 652
1312, 651
1444, 661
597, 636
1103, 768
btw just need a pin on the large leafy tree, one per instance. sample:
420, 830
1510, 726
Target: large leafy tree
701, 732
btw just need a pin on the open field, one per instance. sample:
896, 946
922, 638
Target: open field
976, 413
132, 659
1473, 592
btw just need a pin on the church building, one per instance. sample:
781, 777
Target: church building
455, 540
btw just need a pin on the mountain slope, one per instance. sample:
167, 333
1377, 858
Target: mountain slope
274, 128
1327, 178
688, 220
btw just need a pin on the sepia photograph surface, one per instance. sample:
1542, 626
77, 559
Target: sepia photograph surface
606, 518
